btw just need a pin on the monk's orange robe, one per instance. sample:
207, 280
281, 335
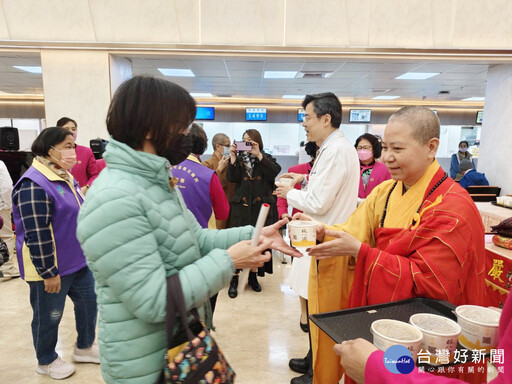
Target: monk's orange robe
440, 256
437, 252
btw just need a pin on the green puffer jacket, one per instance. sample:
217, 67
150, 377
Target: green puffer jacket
135, 231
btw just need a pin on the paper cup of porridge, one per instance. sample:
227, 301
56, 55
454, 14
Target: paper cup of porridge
439, 333
284, 181
302, 234
387, 333
479, 327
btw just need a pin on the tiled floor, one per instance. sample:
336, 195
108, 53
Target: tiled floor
258, 332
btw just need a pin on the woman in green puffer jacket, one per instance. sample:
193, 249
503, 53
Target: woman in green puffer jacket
135, 231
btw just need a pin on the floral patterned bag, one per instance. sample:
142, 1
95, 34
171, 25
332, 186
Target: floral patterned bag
198, 360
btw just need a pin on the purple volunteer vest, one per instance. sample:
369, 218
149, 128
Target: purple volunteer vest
194, 184
70, 257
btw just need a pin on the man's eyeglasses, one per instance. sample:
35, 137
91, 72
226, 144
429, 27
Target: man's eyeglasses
307, 117
367, 147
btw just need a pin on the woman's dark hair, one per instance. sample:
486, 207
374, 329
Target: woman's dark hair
256, 137
374, 141
199, 139
64, 120
48, 138
311, 148
147, 105
464, 141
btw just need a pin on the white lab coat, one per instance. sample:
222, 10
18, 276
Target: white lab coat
329, 197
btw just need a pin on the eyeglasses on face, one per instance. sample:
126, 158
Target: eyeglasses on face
308, 118
367, 147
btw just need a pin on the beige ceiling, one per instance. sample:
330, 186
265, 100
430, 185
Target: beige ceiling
241, 76
16, 81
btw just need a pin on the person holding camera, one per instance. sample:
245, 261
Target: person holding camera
219, 163
254, 172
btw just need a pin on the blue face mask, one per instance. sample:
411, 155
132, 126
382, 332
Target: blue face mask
463, 150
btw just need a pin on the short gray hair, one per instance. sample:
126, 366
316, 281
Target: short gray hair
218, 139
425, 123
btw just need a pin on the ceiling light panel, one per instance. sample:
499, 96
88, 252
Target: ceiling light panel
417, 75
474, 99
29, 68
385, 97
201, 94
175, 72
279, 74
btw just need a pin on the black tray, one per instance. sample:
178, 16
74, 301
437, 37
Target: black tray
500, 205
352, 323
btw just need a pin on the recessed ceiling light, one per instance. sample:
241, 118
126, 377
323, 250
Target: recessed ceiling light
176, 72
474, 99
29, 68
417, 75
293, 96
385, 97
279, 74
201, 94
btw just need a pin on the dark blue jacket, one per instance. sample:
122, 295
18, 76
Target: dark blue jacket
454, 165
473, 177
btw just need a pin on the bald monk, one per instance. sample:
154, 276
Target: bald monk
417, 235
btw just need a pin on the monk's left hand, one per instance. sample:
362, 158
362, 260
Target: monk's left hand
271, 233
344, 244
353, 357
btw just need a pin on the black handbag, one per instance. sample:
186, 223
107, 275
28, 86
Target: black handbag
193, 356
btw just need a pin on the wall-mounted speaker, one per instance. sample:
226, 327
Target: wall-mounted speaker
9, 139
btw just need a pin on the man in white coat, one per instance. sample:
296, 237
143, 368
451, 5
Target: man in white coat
9, 269
330, 195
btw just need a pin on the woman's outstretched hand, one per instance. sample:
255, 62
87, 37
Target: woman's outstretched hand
272, 234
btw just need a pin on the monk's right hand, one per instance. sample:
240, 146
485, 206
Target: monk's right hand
52, 284
245, 255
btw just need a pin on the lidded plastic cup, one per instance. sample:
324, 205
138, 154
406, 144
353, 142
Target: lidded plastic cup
479, 327
439, 334
302, 233
387, 332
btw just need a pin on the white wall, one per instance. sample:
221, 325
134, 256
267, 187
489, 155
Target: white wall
496, 136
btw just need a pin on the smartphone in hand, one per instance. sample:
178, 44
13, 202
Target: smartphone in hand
243, 146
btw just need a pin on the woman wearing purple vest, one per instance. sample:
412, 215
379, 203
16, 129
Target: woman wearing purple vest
46, 201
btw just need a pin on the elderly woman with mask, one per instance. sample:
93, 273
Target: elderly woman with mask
46, 201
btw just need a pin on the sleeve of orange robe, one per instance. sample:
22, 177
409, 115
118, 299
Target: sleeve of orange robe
435, 260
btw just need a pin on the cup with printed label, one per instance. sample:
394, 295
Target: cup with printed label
302, 234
